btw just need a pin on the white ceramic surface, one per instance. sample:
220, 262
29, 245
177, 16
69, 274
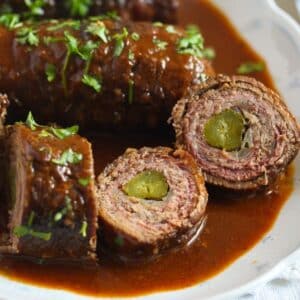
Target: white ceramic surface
277, 38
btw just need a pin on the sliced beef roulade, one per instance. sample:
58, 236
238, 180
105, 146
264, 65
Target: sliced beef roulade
99, 72
240, 132
150, 200
51, 198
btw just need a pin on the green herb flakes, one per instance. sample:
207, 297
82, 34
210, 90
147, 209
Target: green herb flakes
250, 67
92, 82
68, 157
135, 36
68, 207
78, 8
83, 229
84, 181
50, 72
98, 29
30, 122
27, 35
161, 45
119, 39
10, 21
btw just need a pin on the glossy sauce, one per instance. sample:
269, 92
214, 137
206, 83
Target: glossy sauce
235, 221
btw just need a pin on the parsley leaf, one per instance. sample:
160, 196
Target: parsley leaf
192, 43
98, 29
27, 35
62, 133
161, 45
92, 82
35, 8
50, 72
120, 44
209, 53
30, 122
68, 207
83, 229
78, 7
68, 157
21, 231
135, 36
24, 230
250, 67
84, 181
171, 29
74, 24
10, 21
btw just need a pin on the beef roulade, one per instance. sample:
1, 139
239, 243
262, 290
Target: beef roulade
149, 200
240, 132
99, 72
138, 10
51, 197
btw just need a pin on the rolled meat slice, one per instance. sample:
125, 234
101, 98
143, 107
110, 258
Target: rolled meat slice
138, 10
51, 197
99, 72
150, 200
240, 132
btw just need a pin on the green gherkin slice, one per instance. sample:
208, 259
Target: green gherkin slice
147, 185
225, 130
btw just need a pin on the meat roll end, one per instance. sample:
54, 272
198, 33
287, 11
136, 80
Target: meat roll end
150, 200
240, 132
53, 211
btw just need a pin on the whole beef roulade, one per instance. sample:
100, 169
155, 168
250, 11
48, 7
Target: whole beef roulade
150, 200
240, 132
51, 194
99, 72
138, 10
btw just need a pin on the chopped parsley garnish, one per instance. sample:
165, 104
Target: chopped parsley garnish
98, 29
74, 24
209, 53
23, 230
135, 36
130, 91
192, 43
50, 72
161, 45
158, 24
250, 67
68, 207
30, 122
131, 55
120, 44
60, 133
10, 21
78, 7
27, 35
83, 229
92, 82
84, 181
68, 157
171, 29
35, 8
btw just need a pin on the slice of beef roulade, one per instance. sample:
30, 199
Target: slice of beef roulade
51, 198
240, 132
150, 200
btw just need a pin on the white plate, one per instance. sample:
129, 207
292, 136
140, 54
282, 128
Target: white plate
277, 38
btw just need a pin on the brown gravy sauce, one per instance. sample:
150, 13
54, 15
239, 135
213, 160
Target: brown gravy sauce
235, 221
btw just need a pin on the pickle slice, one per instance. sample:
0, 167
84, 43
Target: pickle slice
147, 185
225, 130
